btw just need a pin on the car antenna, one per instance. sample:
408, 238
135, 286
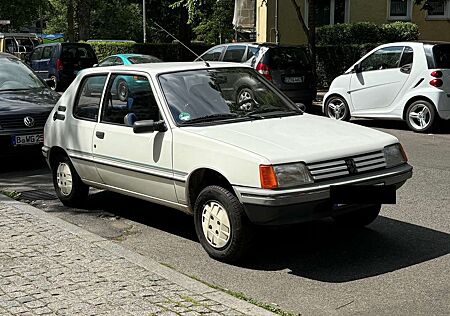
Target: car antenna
185, 46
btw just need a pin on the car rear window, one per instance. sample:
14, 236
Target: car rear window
288, 57
442, 56
77, 52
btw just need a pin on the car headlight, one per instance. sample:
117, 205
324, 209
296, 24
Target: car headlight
394, 155
284, 176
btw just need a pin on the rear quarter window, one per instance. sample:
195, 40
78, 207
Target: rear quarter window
441, 54
288, 57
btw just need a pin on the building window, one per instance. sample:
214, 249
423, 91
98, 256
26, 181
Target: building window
400, 10
437, 9
329, 12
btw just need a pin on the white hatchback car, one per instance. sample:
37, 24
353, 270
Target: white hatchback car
180, 139
403, 81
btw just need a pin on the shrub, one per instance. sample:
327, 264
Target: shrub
366, 32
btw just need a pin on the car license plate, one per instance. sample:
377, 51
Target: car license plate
294, 79
27, 139
362, 194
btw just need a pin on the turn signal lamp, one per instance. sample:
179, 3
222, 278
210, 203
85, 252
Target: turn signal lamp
268, 177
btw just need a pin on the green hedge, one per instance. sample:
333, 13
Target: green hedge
164, 51
366, 32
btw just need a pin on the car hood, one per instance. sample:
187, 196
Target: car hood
29, 101
307, 138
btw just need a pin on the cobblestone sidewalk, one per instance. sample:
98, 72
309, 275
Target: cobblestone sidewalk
50, 267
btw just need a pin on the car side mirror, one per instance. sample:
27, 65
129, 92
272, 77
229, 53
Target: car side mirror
149, 126
357, 68
50, 83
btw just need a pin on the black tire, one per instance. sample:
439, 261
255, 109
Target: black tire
240, 230
343, 114
360, 217
122, 90
78, 192
430, 117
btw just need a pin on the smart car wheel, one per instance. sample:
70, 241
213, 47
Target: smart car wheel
337, 108
68, 185
221, 224
359, 218
122, 90
421, 116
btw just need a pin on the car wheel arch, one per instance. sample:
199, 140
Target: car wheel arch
200, 179
414, 99
335, 94
54, 153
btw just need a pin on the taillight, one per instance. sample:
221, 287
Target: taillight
59, 65
436, 83
437, 74
264, 70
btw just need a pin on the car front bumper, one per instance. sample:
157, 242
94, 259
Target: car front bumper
289, 206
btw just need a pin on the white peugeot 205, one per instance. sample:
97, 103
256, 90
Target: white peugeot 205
177, 134
401, 81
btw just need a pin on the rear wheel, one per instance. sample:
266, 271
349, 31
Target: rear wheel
421, 116
221, 224
55, 83
68, 185
360, 217
122, 90
337, 108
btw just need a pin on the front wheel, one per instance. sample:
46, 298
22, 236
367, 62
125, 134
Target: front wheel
68, 185
337, 108
221, 224
360, 217
421, 116
122, 90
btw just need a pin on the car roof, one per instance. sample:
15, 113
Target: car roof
165, 67
6, 55
265, 44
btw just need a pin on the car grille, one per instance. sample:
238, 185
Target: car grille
17, 121
342, 167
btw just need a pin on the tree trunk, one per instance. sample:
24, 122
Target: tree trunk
70, 27
184, 32
84, 18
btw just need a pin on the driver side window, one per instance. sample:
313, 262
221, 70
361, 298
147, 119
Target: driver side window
384, 58
129, 98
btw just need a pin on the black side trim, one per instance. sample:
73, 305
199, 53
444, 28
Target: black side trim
419, 82
58, 116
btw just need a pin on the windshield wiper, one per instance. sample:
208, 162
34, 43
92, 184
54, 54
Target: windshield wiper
21, 89
211, 118
275, 112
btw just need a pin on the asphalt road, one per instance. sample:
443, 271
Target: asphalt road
399, 265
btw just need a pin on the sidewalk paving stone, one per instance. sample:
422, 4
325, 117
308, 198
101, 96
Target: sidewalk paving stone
51, 267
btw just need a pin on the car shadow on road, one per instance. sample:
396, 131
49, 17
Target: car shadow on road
319, 250
442, 128
324, 252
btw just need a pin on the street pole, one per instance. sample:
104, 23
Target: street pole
144, 21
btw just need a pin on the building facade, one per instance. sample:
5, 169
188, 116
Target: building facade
433, 24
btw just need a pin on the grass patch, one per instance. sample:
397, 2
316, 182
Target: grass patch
12, 194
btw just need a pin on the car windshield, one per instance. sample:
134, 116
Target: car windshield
143, 59
14, 75
222, 95
442, 56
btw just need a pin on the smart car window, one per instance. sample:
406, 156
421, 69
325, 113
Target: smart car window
384, 58
234, 53
407, 57
213, 95
213, 54
87, 103
129, 98
442, 56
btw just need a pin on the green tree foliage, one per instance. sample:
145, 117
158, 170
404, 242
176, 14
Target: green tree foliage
215, 25
21, 13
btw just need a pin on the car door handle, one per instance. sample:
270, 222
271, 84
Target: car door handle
100, 135
406, 69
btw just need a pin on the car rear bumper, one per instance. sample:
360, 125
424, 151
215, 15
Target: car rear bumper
301, 96
276, 207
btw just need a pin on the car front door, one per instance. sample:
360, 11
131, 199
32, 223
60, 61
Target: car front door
44, 62
35, 57
140, 163
380, 78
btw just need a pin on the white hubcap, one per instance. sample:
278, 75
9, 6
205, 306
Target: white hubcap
420, 116
64, 178
216, 224
336, 109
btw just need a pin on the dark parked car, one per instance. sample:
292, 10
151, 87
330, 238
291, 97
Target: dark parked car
288, 67
61, 62
25, 103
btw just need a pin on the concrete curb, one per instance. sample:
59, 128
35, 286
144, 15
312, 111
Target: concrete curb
144, 262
